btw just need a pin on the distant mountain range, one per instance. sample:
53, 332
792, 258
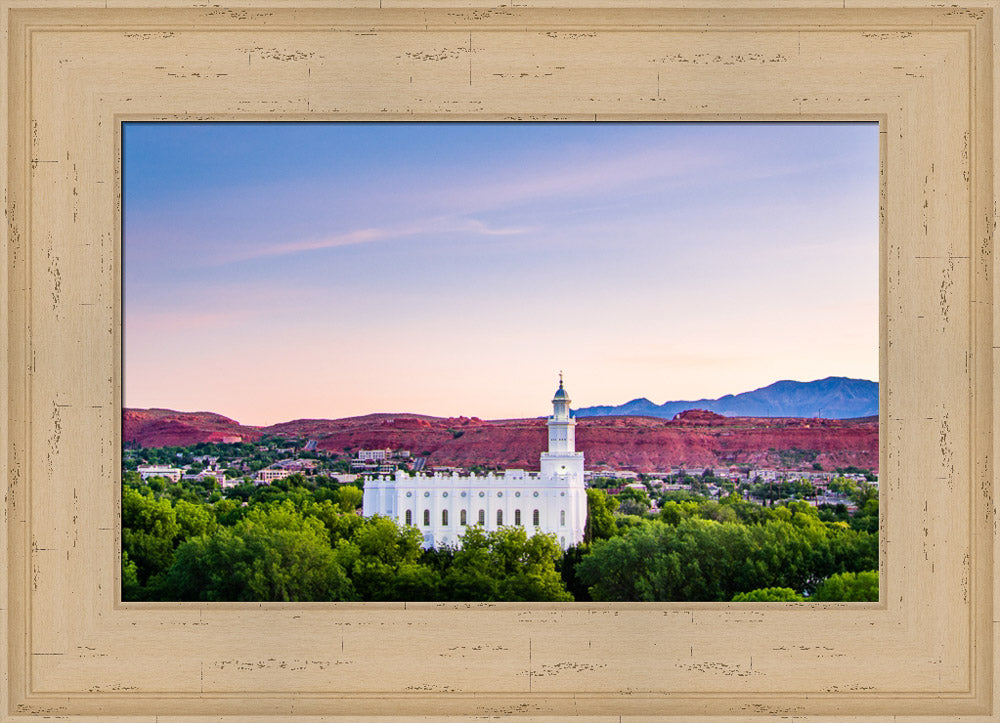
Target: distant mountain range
830, 398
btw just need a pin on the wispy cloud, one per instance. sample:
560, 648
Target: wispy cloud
596, 176
438, 224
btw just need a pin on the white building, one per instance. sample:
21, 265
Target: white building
269, 475
217, 474
553, 500
171, 473
374, 455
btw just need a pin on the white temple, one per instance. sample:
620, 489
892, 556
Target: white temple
552, 500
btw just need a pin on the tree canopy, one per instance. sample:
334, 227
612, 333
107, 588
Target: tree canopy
302, 538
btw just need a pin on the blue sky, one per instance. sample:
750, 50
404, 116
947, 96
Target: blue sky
276, 271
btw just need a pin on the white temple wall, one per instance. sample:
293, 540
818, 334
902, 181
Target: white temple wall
560, 504
557, 492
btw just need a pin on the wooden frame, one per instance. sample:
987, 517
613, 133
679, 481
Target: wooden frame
76, 68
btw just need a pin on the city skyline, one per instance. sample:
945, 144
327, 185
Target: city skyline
275, 271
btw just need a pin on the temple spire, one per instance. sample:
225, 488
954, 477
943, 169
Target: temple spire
562, 457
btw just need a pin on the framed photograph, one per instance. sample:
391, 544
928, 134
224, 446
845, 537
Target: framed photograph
399, 315
78, 70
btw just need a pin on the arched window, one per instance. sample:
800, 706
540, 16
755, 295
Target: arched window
444, 517
534, 518
499, 518
463, 518
482, 517
562, 517
427, 518
409, 517
517, 517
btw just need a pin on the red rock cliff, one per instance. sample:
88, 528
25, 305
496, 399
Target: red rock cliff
695, 438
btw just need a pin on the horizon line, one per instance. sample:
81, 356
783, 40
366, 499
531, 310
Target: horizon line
527, 417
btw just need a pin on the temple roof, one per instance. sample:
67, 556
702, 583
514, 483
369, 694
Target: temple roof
560, 392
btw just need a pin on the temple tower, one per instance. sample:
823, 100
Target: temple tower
562, 459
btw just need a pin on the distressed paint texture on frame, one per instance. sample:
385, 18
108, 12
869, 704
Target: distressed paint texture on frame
77, 70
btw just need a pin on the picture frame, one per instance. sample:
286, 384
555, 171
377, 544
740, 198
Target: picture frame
76, 69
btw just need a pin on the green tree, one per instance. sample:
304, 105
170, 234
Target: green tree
715, 510
242, 492
843, 486
701, 559
673, 512
349, 498
848, 587
130, 579
625, 522
194, 519
629, 567
383, 561
506, 564
747, 513
227, 512
149, 529
641, 497
866, 517
273, 554
769, 594
865, 493
567, 570
600, 516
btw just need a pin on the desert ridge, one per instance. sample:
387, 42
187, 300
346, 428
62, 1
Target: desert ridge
694, 438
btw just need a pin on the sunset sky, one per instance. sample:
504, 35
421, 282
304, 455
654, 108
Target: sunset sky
278, 271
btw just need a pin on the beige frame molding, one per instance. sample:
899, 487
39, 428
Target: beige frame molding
74, 69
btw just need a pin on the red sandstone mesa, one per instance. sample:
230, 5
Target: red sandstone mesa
695, 438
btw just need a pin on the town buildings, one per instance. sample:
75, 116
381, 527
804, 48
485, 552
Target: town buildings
152, 470
552, 500
269, 475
